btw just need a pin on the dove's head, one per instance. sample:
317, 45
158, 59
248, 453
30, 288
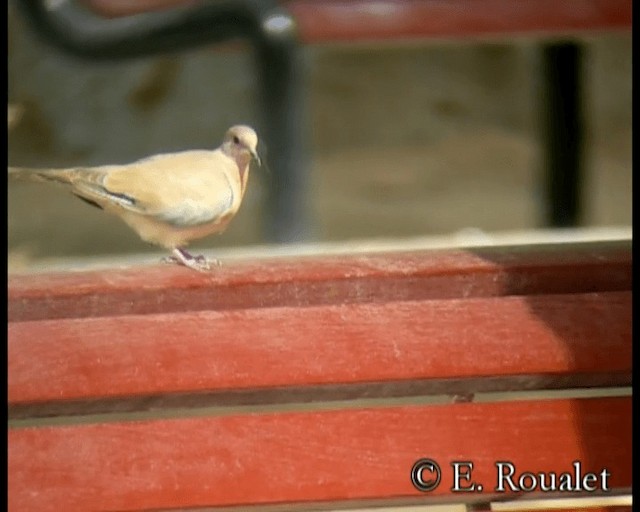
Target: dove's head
241, 143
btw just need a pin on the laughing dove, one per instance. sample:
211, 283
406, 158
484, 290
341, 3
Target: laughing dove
168, 199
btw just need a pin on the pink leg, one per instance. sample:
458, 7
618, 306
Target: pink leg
182, 257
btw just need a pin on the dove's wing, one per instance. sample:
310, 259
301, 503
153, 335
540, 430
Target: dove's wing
181, 189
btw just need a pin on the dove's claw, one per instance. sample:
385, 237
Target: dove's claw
182, 257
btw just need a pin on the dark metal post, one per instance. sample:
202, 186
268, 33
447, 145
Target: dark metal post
280, 65
562, 133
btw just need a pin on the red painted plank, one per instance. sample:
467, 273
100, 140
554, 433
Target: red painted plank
552, 336
566, 268
364, 20
328, 456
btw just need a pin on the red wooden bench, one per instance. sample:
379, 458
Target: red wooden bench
318, 382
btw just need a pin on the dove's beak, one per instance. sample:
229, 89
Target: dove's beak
255, 157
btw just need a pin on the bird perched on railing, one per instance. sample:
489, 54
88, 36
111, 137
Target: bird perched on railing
168, 199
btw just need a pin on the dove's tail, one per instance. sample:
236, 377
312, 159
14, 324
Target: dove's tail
24, 174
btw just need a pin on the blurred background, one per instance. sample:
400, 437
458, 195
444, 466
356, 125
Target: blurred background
404, 140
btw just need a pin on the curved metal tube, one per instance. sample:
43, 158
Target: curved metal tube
76, 31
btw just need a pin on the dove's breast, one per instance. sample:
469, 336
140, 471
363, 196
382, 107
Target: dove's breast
169, 236
181, 197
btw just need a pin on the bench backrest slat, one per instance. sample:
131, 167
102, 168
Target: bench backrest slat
348, 21
482, 272
327, 457
417, 347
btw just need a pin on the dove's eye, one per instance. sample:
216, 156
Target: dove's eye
236, 140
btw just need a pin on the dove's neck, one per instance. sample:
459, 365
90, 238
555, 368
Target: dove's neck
243, 161
243, 170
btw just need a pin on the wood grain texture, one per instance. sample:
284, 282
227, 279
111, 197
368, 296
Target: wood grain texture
329, 457
552, 336
486, 272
